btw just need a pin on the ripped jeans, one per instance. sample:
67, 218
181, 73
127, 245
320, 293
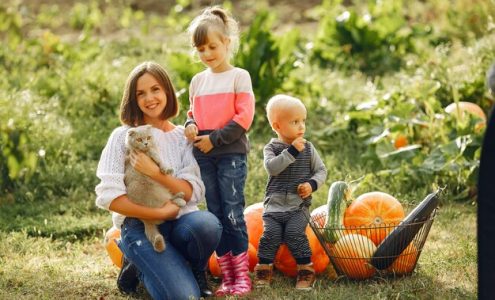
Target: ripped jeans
224, 178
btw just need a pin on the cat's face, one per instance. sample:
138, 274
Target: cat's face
139, 138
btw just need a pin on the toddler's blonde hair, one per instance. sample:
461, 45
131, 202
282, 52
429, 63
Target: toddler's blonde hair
278, 103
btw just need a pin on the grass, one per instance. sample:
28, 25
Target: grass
73, 264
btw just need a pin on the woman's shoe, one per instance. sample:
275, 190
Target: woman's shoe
202, 283
128, 279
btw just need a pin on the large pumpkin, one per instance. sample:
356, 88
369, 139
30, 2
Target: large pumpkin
285, 262
351, 255
113, 250
406, 261
376, 213
460, 109
254, 223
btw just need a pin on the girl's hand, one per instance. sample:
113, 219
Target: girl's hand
191, 132
304, 190
299, 143
203, 143
144, 164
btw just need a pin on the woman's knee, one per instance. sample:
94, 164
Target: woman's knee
206, 224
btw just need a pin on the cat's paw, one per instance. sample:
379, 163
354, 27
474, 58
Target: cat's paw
159, 243
180, 202
166, 171
178, 195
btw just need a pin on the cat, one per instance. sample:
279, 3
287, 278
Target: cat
143, 190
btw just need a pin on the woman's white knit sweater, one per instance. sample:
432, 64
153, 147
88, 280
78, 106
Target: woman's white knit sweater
175, 152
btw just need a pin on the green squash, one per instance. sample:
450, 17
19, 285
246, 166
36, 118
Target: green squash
339, 197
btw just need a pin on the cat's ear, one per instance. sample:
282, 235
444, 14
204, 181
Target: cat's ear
131, 132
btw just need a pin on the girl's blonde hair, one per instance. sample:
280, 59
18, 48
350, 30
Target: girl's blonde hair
219, 19
130, 113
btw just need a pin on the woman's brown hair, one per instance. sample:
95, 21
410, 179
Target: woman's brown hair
130, 114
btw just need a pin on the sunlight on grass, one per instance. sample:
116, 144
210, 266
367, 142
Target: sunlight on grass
43, 268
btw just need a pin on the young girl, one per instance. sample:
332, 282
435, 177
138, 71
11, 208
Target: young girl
191, 235
221, 111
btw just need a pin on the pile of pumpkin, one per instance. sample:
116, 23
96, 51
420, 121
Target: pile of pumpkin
352, 229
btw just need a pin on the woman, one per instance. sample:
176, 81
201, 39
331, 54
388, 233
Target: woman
191, 235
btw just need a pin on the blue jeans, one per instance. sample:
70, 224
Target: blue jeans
190, 241
224, 178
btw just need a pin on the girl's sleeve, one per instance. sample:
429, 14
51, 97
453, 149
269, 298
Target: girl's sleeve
190, 116
244, 101
110, 170
190, 172
244, 113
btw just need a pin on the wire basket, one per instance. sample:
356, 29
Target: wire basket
365, 251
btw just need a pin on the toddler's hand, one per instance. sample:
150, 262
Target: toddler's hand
304, 190
299, 143
191, 132
203, 143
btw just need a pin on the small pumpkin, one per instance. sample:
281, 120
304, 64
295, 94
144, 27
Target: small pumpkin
319, 214
213, 266
400, 141
406, 261
285, 262
376, 213
460, 108
254, 223
351, 255
112, 236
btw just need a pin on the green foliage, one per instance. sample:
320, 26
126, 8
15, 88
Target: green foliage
63, 75
268, 59
374, 41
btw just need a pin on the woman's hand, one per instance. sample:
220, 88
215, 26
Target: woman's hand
124, 206
203, 143
191, 132
169, 211
304, 190
144, 164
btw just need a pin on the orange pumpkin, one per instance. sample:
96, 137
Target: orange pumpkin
352, 253
376, 212
254, 223
214, 267
113, 250
460, 108
406, 261
400, 141
285, 262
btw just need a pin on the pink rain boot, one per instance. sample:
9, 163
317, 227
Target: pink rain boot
242, 284
228, 279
